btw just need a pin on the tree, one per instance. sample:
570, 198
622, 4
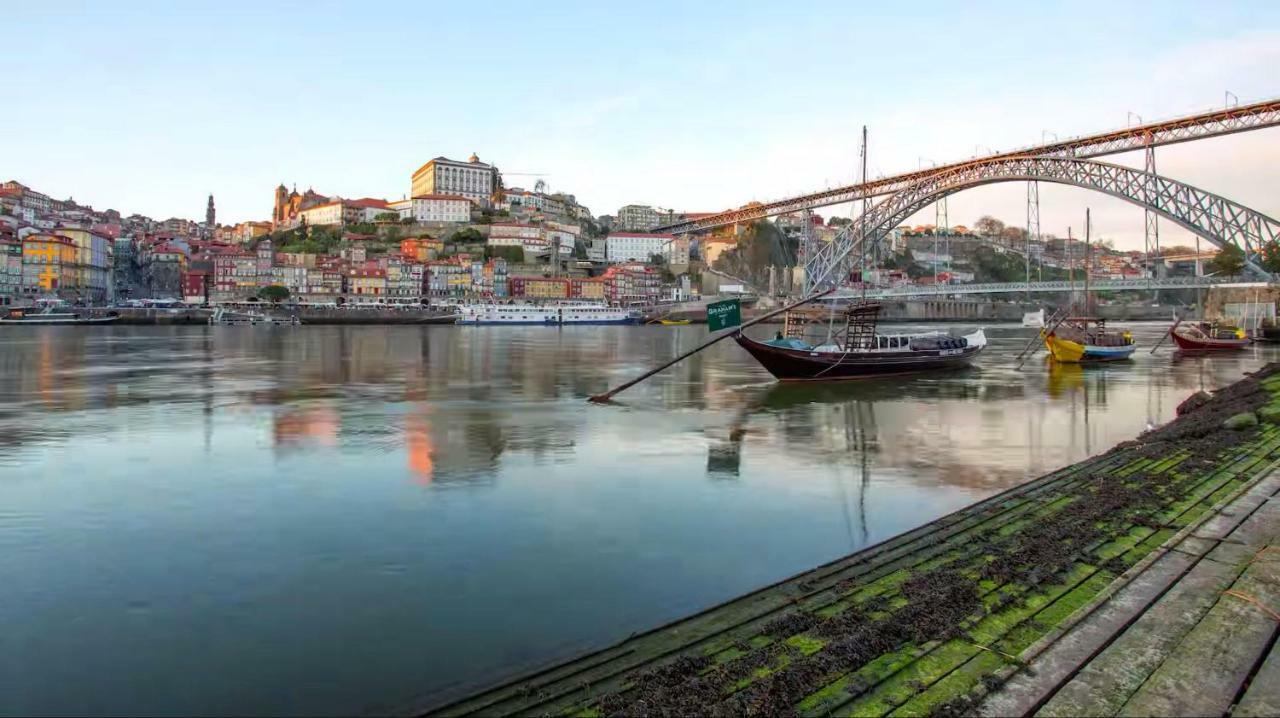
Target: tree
989, 226
657, 260
839, 222
513, 255
386, 217
393, 234
1013, 235
1230, 261
407, 220
274, 293
466, 235
1271, 256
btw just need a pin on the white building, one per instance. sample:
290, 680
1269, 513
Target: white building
636, 246
472, 179
676, 252
323, 214
438, 208
529, 237
637, 218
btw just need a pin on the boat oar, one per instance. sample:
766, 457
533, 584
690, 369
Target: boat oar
1166, 335
1058, 317
605, 397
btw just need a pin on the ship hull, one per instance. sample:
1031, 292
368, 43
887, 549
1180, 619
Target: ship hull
1065, 350
1206, 344
804, 365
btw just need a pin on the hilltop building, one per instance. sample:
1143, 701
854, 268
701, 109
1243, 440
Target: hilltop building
290, 205
472, 179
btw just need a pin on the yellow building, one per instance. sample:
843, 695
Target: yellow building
367, 282
49, 264
543, 288
93, 272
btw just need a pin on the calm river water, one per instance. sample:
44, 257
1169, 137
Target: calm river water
232, 520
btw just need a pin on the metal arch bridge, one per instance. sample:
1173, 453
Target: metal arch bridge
1215, 218
1063, 286
1216, 123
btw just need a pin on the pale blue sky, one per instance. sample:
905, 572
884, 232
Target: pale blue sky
148, 107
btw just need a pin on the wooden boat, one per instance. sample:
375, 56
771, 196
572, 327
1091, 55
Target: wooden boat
1087, 339
675, 322
859, 351
1205, 336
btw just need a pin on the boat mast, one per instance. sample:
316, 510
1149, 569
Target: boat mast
1088, 300
1071, 274
866, 205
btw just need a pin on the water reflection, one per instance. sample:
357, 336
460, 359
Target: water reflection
446, 503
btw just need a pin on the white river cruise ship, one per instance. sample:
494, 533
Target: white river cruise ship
549, 314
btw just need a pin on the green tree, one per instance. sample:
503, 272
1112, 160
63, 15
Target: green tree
513, 255
386, 217
1230, 261
274, 293
466, 235
393, 234
839, 222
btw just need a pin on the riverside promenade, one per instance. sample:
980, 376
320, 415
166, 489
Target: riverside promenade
1143, 581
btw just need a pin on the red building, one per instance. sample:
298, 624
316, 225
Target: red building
196, 285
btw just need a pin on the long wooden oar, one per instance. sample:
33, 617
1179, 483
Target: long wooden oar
602, 398
1166, 335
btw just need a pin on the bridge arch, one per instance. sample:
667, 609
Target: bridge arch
1213, 217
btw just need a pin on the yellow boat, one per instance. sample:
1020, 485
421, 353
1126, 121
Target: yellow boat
675, 322
1080, 340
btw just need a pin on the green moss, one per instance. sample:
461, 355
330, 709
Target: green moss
806, 644
1241, 421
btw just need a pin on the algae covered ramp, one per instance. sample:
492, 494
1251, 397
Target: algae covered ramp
944, 619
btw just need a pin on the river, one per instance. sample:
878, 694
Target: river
327, 520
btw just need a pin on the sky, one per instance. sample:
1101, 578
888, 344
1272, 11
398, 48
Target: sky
149, 107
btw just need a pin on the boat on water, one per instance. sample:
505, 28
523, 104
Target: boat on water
859, 351
547, 314
51, 314
1087, 339
226, 317
1033, 319
1207, 336
675, 322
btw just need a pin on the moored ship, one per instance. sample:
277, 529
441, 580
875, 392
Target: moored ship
1086, 340
859, 351
51, 314
546, 314
1207, 336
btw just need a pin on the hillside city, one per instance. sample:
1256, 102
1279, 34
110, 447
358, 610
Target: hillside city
461, 234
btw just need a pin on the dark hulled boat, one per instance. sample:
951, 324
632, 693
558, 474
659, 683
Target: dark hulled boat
1205, 336
859, 351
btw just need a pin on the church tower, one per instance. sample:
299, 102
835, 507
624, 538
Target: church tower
210, 218
282, 199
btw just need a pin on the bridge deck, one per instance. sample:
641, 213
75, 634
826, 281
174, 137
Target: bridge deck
940, 616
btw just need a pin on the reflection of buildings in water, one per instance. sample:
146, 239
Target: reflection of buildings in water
297, 427
420, 448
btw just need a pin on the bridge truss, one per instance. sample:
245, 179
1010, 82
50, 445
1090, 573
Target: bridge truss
1145, 137
1217, 219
